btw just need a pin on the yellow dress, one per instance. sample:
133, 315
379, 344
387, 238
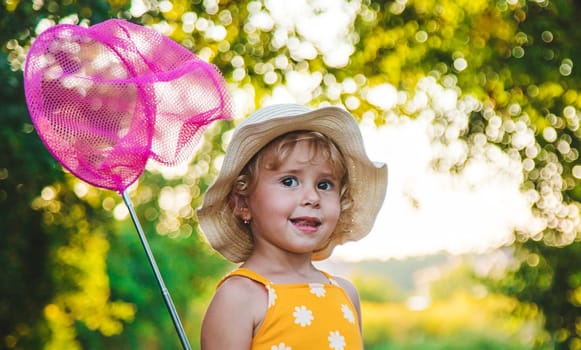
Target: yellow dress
309, 316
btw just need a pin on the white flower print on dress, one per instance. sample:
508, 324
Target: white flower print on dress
303, 316
317, 289
271, 296
281, 346
348, 314
336, 341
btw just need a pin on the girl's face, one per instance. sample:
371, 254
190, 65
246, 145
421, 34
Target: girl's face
294, 208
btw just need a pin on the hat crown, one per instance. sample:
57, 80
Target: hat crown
276, 111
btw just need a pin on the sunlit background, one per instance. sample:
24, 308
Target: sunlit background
425, 211
473, 104
429, 212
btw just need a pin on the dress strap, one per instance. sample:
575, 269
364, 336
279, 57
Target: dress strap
329, 277
244, 272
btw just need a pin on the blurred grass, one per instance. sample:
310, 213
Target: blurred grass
461, 321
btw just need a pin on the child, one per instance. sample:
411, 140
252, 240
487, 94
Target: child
294, 183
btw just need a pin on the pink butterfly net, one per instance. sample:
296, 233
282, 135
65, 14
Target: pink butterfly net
107, 98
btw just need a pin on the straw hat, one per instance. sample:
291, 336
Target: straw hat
367, 180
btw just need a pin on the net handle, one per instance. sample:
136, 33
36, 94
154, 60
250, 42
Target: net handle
164, 292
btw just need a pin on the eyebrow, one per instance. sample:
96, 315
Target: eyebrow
333, 175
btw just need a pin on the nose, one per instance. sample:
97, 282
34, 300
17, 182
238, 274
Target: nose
311, 197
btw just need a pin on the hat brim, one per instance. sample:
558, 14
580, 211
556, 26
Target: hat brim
367, 180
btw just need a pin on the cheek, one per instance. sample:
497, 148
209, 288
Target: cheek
334, 208
264, 202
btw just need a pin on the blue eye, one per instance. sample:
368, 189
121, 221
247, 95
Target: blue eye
290, 181
325, 185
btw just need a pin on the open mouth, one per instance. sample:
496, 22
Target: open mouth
306, 222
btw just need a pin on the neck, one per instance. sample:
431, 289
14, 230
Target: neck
284, 269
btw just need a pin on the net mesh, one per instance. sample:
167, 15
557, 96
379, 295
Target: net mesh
105, 99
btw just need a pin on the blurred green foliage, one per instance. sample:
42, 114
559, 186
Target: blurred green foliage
76, 276
449, 308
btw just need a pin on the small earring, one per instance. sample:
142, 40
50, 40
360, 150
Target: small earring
246, 222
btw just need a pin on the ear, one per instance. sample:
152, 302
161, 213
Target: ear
240, 207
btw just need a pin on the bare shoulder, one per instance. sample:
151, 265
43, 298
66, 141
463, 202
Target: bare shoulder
349, 288
353, 294
237, 308
351, 291
238, 289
